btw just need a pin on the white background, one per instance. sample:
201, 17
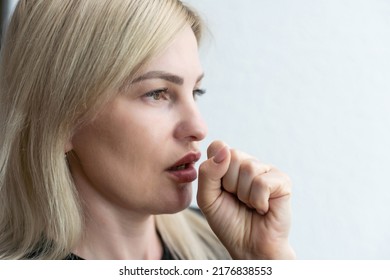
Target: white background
304, 85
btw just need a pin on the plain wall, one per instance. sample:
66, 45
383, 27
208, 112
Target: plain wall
305, 86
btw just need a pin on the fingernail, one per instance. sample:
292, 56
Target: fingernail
220, 156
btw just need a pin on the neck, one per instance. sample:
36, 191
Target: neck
112, 237
112, 232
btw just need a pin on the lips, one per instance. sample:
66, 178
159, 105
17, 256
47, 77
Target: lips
183, 171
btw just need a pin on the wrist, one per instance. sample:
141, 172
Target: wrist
280, 250
284, 252
274, 251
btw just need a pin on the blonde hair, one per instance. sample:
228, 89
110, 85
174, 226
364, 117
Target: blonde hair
61, 62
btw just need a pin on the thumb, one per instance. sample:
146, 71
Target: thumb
211, 172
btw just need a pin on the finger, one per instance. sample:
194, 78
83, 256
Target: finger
240, 162
211, 172
230, 180
266, 186
249, 169
214, 148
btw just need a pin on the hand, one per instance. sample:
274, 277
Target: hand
246, 203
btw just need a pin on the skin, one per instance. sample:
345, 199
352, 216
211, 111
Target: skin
138, 133
256, 198
146, 131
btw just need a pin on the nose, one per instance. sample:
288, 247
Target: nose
191, 125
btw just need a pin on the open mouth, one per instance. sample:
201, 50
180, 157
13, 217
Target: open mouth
186, 162
183, 171
180, 167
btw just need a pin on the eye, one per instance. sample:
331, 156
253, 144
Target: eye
198, 92
158, 94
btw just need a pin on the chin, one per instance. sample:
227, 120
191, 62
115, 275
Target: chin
179, 201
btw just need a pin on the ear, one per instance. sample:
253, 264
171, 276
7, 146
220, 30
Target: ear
68, 146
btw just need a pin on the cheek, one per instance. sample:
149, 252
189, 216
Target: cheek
120, 146
144, 135
123, 158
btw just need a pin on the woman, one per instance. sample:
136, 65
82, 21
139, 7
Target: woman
100, 136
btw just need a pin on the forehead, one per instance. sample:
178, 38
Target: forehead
180, 57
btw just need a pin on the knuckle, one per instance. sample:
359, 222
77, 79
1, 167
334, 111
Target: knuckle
248, 167
258, 204
261, 182
234, 155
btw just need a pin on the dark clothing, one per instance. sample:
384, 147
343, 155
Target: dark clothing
166, 255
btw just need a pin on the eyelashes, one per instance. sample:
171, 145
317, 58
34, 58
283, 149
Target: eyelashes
165, 94
198, 92
157, 94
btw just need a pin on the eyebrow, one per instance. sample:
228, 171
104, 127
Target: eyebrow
164, 76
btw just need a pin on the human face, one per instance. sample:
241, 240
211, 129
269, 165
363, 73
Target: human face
127, 157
